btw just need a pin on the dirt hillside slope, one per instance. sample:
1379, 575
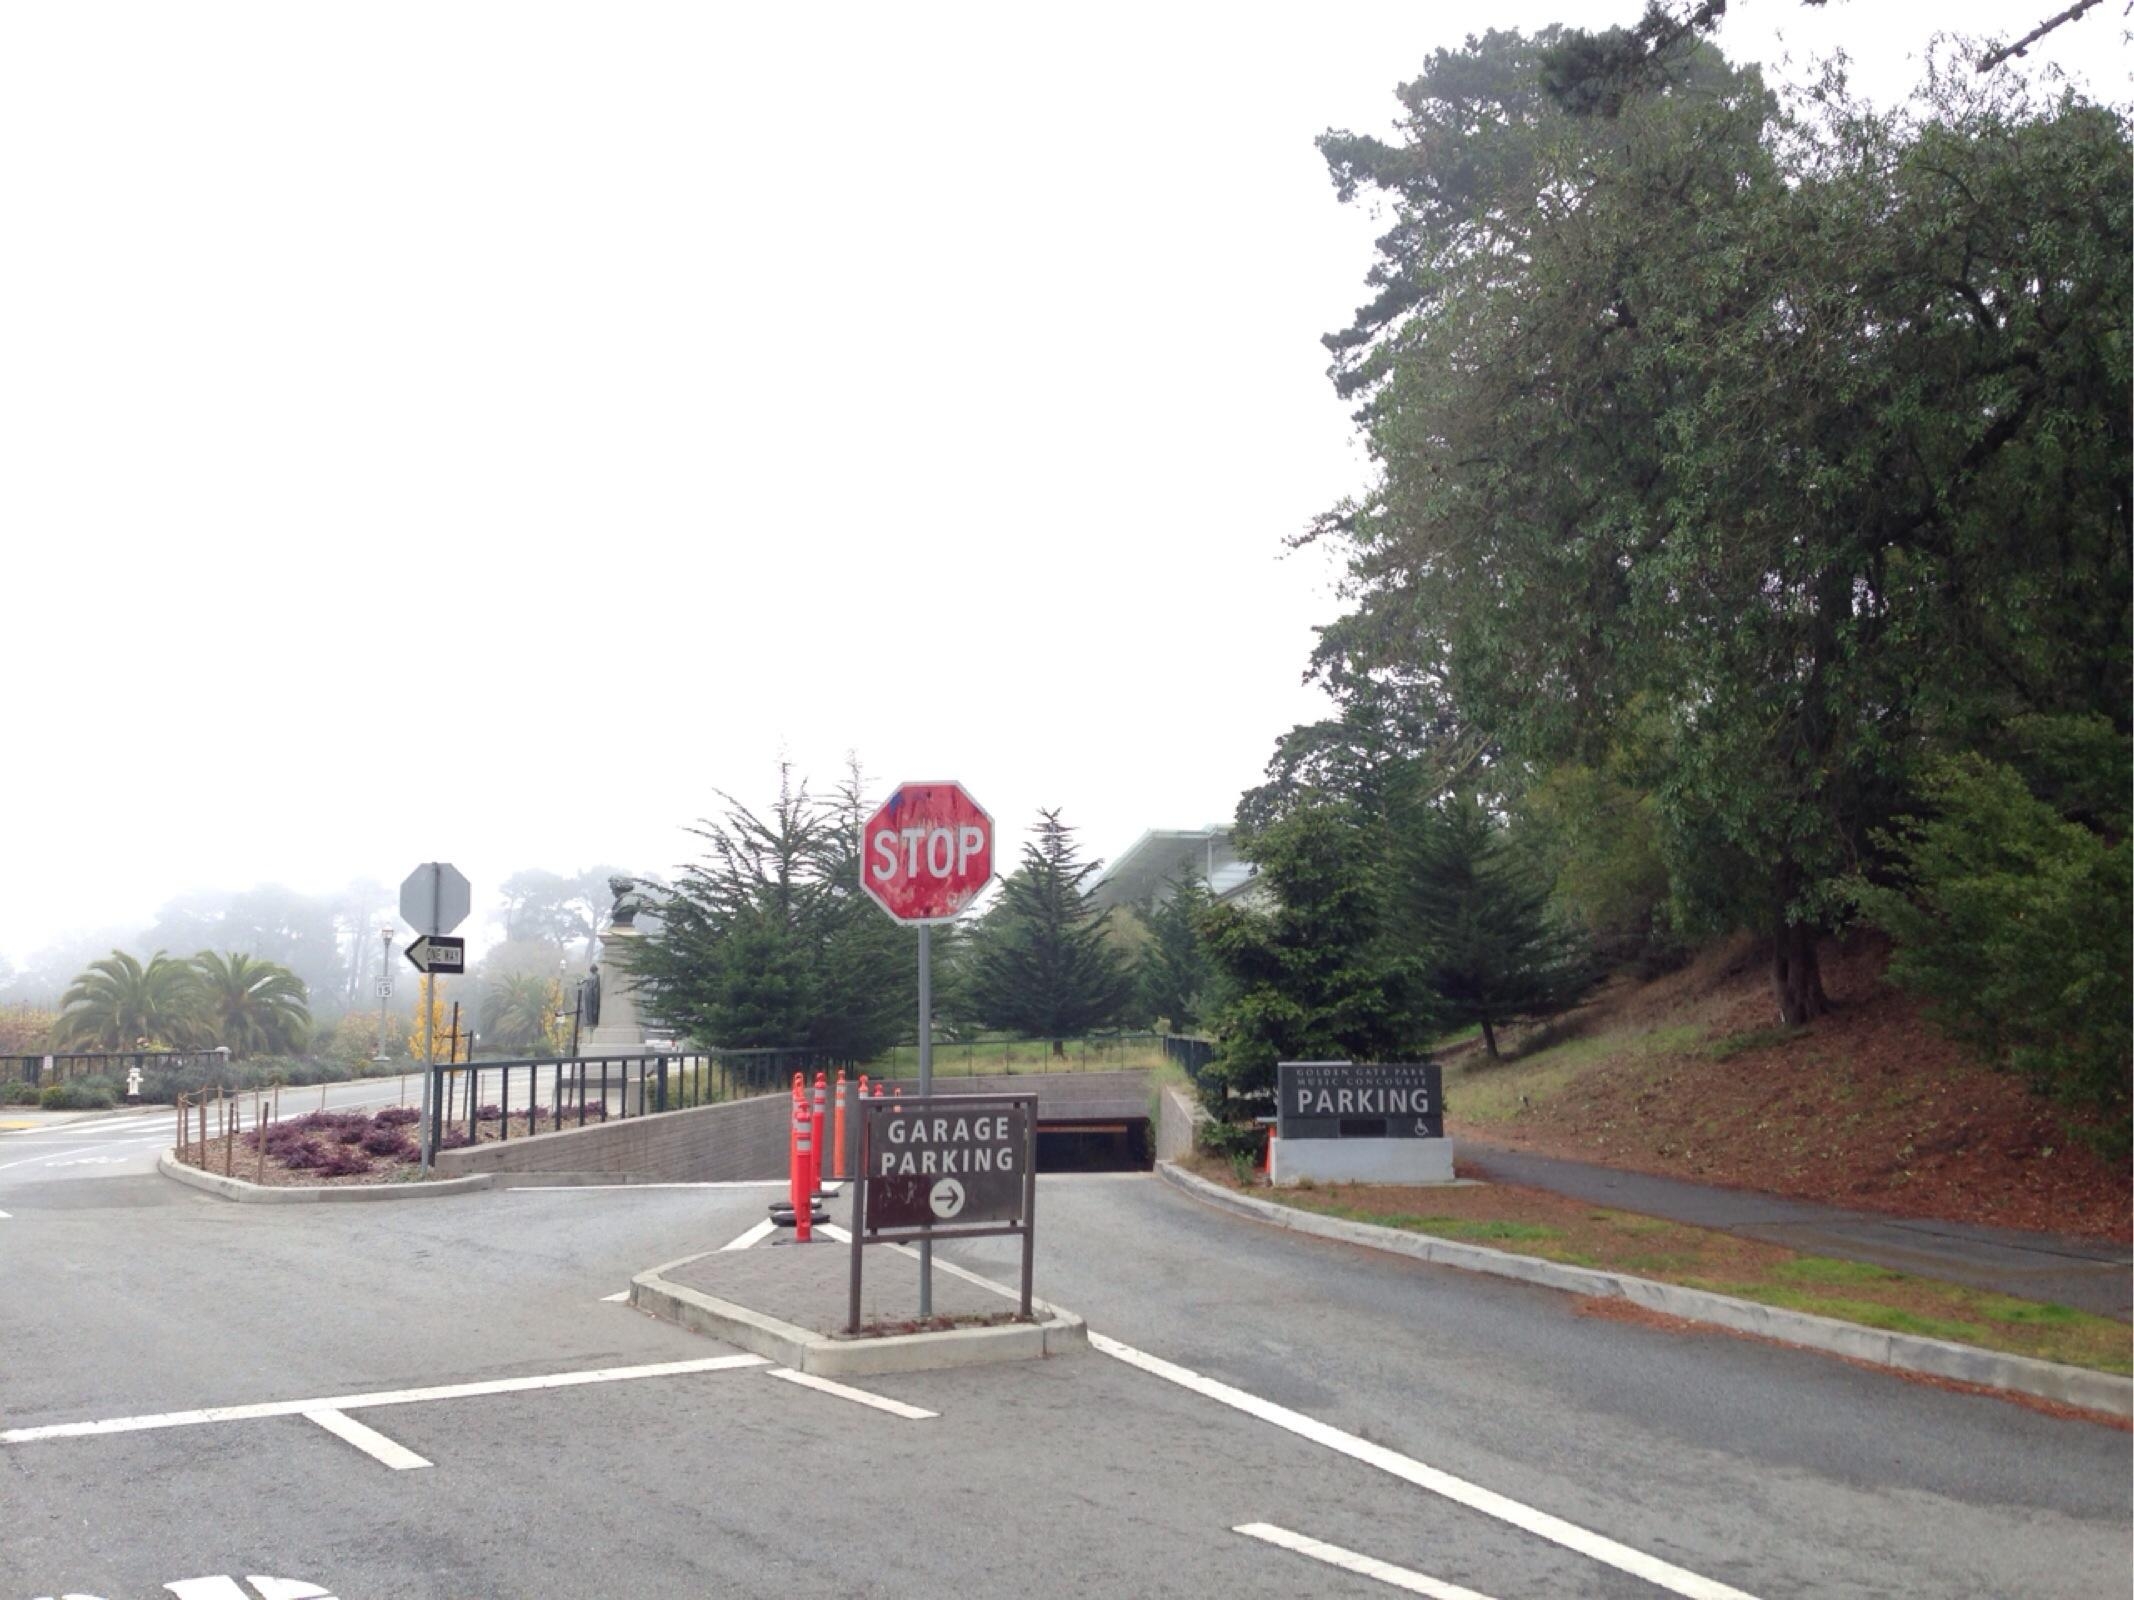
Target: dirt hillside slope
1868, 1107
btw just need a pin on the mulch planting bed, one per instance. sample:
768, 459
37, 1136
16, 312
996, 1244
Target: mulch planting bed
1868, 1107
330, 1149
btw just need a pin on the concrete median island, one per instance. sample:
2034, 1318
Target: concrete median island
790, 1302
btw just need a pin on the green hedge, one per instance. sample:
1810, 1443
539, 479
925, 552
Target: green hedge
78, 1094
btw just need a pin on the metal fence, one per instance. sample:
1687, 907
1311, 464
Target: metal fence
475, 1102
60, 1066
1190, 1052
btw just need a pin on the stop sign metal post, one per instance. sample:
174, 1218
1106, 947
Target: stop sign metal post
925, 855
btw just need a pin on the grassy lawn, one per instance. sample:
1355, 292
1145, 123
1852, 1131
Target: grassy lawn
1480, 1090
972, 1057
1556, 1228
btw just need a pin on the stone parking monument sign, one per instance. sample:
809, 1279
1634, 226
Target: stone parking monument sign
1346, 1122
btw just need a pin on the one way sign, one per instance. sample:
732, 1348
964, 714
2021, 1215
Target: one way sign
432, 953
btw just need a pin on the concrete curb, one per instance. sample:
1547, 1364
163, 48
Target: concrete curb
807, 1351
257, 1194
1904, 1352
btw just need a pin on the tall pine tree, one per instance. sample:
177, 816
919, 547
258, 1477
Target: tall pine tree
769, 940
1314, 975
1175, 970
1041, 964
1488, 948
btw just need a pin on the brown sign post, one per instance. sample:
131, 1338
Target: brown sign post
952, 1166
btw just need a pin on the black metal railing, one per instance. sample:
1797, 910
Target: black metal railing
1189, 1052
474, 1102
58, 1066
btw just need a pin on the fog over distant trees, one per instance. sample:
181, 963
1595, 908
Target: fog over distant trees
546, 924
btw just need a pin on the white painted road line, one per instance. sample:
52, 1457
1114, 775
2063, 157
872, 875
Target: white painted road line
380, 1397
369, 1440
808, 1380
1350, 1561
1594, 1546
623, 1295
760, 1231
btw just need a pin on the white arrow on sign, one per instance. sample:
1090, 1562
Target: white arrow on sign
435, 898
947, 1198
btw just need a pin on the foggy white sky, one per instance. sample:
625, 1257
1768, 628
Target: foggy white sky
480, 432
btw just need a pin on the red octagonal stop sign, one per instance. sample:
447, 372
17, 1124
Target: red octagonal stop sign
927, 852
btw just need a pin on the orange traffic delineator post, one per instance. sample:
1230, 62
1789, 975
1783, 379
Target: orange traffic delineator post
803, 1174
822, 1130
1267, 1155
837, 1143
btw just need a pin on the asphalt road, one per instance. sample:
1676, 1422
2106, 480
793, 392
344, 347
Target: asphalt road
1415, 1415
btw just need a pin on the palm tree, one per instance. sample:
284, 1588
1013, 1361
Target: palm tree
519, 1010
255, 1007
118, 1003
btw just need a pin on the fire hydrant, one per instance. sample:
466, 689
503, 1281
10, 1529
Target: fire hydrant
133, 1084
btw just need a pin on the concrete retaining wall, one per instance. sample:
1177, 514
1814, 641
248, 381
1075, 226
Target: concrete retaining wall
1178, 1115
747, 1138
738, 1139
1074, 1095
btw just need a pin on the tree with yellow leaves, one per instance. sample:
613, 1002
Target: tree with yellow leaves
429, 1001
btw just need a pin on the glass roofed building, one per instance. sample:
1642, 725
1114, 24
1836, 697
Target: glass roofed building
1144, 872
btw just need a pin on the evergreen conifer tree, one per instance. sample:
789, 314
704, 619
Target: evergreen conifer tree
770, 941
1041, 964
1175, 969
1313, 976
1487, 946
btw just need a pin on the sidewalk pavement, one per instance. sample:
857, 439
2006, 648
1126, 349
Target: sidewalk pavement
2079, 1273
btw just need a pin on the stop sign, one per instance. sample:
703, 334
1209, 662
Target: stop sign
927, 852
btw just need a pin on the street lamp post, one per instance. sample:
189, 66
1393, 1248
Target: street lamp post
385, 982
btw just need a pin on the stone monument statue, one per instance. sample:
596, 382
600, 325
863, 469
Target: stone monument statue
629, 900
610, 1003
